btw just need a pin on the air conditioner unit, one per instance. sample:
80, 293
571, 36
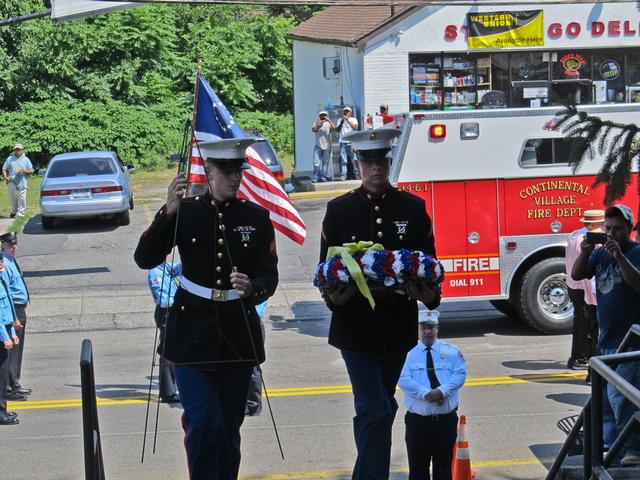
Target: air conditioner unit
331, 67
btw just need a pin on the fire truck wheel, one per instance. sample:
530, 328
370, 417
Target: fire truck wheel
542, 299
504, 306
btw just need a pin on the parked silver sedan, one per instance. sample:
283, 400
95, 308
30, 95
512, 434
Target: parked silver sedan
86, 184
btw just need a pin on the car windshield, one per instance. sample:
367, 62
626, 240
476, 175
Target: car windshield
266, 152
77, 167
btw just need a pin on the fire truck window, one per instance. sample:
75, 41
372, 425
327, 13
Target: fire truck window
545, 151
561, 150
527, 66
608, 76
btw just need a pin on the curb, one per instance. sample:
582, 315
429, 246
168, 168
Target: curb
318, 194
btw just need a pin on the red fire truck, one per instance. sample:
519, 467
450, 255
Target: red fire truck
503, 200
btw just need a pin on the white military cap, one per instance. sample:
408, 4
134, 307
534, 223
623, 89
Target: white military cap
228, 152
428, 317
372, 139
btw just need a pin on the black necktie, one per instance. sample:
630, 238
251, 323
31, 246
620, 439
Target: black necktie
431, 373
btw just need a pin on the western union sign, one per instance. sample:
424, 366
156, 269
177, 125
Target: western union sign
506, 29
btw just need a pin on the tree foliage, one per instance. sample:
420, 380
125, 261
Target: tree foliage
137, 65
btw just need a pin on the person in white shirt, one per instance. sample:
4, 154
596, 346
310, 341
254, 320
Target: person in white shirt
431, 378
347, 125
583, 296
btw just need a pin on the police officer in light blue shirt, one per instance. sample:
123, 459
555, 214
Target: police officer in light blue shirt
163, 283
8, 340
19, 294
431, 378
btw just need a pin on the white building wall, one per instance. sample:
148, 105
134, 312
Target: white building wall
312, 92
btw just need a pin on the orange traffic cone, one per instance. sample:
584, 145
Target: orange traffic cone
461, 468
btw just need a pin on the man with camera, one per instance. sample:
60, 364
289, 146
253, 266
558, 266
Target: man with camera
616, 266
347, 125
322, 149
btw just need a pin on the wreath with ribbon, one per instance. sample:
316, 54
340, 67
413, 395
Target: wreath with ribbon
369, 265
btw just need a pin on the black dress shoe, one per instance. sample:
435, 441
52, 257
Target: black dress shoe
175, 398
23, 390
8, 420
16, 397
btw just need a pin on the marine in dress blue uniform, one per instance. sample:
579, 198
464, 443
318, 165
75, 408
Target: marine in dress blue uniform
229, 264
19, 294
163, 282
374, 343
8, 338
431, 378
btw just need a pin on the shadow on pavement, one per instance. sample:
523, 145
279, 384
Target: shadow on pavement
89, 225
537, 364
576, 399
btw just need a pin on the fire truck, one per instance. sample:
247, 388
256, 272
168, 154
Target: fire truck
503, 201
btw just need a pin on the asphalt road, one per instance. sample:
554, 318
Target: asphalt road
516, 391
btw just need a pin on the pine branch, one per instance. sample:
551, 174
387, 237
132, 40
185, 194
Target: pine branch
618, 143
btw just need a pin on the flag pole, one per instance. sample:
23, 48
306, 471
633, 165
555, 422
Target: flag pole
196, 91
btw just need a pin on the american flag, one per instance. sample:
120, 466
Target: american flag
213, 121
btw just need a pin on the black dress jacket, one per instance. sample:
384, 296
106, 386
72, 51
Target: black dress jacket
396, 220
212, 238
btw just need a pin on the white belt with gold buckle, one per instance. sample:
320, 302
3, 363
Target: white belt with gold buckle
209, 293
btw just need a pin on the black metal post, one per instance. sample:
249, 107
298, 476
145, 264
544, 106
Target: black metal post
587, 414
597, 392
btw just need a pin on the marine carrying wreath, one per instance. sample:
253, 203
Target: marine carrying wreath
370, 266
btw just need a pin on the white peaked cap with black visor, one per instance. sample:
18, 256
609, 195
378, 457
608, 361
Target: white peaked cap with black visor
226, 153
371, 145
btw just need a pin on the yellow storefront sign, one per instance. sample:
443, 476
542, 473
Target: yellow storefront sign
506, 29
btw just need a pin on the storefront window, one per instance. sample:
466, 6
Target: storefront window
530, 75
632, 76
608, 76
459, 80
571, 65
571, 77
498, 84
425, 89
528, 66
523, 79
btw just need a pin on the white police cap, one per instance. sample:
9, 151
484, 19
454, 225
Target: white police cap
428, 317
372, 139
226, 149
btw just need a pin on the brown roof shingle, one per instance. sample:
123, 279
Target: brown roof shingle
346, 25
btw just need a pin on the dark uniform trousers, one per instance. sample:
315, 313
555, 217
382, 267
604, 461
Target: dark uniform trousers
15, 354
374, 343
166, 372
585, 326
428, 438
4, 378
214, 344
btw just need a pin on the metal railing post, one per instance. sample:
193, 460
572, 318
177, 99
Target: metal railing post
596, 421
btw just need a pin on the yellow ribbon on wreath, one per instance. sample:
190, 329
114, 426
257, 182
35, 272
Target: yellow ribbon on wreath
346, 252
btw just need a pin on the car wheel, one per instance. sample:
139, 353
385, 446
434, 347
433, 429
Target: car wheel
125, 217
543, 299
47, 222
